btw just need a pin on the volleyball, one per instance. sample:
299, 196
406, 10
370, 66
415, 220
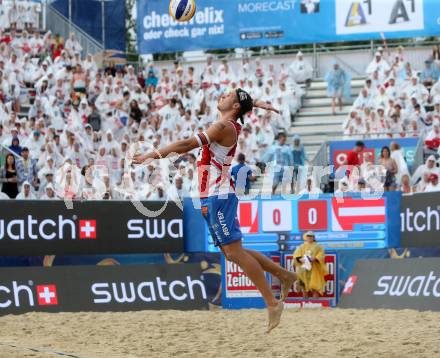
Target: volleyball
182, 10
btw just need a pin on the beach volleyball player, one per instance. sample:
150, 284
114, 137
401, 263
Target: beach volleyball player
218, 200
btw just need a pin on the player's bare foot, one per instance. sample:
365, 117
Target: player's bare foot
286, 284
274, 316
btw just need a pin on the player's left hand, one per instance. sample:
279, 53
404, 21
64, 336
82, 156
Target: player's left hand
139, 159
268, 107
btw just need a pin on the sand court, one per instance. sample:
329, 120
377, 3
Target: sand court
311, 333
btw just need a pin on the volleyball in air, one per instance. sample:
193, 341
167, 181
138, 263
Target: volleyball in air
182, 10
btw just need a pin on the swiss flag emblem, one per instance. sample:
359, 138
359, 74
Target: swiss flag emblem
248, 216
87, 229
349, 285
47, 295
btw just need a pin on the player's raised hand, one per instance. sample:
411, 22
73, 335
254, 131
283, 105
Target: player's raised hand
266, 106
139, 158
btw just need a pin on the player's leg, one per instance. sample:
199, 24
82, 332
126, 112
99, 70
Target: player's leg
221, 215
286, 277
236, 253
269, 266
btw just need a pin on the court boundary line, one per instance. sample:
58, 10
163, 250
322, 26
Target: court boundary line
40, 350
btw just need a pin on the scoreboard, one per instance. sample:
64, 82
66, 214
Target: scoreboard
339, 223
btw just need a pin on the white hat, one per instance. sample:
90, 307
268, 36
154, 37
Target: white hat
431, 157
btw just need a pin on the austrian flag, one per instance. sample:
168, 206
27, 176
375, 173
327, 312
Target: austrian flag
248, 216
348, 288
349, 212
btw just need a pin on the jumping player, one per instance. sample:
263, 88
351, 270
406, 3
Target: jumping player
218, 199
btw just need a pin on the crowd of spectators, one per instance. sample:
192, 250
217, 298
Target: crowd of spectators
19, 14
71, 122
396, 101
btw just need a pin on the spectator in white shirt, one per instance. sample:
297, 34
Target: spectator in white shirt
26, 192
72, 45
433, 183
49, 193
428, 168
378, 64
300, 71
310, 188
363, 100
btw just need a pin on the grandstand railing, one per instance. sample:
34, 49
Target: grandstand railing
357, 56
338, 59
382, 135
419, 157
59, 24
321, 156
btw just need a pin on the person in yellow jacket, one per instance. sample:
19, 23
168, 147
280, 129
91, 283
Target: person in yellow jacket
309, 261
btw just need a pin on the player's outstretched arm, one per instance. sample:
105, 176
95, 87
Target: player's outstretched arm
213, 134
265, 105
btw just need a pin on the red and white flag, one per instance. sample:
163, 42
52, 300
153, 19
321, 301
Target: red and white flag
248, 216
351, 211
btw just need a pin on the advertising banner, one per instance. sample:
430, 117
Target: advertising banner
249, 23
351, 222
101, 288
240, 292
329, 298
394, 284
340, 149
87, 15
420, 220
91, 227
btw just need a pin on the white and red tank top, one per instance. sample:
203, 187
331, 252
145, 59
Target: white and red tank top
214, 165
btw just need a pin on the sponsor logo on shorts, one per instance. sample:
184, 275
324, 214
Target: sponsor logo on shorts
221, 219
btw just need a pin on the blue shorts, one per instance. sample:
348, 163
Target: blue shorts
221, 217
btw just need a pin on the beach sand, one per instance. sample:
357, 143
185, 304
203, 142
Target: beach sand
221, 333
